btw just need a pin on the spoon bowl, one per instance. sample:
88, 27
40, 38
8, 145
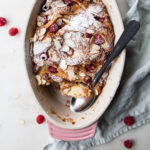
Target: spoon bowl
80, 104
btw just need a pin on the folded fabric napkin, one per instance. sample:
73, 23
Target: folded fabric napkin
133, 95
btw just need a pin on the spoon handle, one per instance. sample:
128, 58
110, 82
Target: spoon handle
129, 32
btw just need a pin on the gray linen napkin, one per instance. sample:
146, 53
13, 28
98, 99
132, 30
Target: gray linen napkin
133, 95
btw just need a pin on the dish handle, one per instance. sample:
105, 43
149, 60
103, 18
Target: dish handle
71, 134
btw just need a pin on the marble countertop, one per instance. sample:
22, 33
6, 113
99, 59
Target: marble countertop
18, 109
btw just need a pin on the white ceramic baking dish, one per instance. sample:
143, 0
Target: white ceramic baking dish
49, 99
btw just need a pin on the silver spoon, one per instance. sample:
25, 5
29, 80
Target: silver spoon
82, 104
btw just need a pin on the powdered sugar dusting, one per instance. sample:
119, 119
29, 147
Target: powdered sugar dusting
71, 74
95, 9
56, 78
70, 49
63, 64
41, 46
80, 46
85, 20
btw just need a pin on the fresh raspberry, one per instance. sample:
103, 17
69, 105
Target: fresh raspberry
129, 120
98, 39
88, 81
13, 31
40, 119
88, 35
52, 69
90, 67
72, 3
53, 28
100, 19
3, 21
128, 143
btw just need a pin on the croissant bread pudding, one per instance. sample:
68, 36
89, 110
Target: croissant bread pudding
71, 43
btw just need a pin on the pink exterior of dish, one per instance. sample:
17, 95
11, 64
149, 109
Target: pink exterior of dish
71, 135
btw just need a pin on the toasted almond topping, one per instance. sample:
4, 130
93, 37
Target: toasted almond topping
82, 74
63, 65
16, 96
21, 122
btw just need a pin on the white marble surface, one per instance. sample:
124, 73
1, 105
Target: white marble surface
17, 99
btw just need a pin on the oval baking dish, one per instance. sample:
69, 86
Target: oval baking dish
52, 102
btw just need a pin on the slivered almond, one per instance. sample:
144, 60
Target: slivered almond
59, 22
82, 74
57, 44
52, 21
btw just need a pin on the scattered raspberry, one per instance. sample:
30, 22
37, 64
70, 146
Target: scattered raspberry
90, 86
88, 81
99, 39
129, 120
53, 28
100, 19
52, 69
3, 21
40, 119
13, 31
88, 35
90, 67
72, 3
128, 143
